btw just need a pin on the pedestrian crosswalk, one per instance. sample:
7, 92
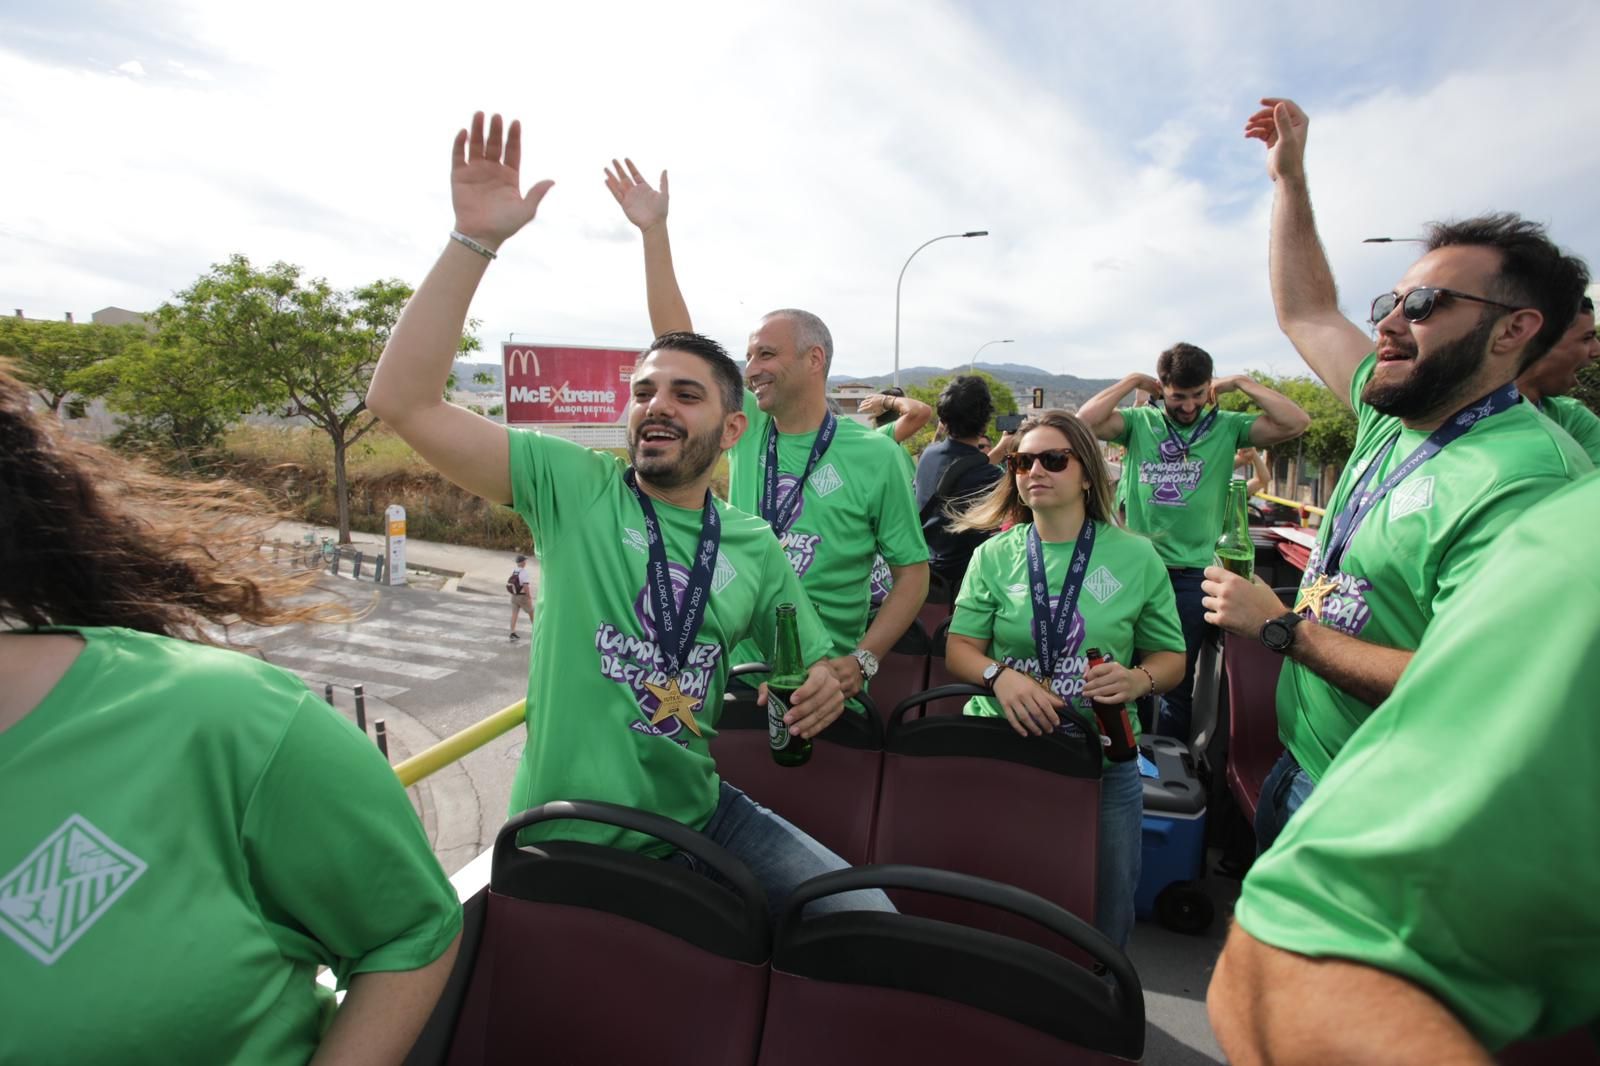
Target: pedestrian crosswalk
417, 641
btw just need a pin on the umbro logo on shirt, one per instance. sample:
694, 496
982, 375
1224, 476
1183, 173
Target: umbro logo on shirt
1410, 497
1101, 585
632, 538
825, 481
723, 575
63, 887
1017, 590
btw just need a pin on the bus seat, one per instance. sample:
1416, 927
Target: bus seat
939, 674
866, 988
574, 931
905, 669
832, 797
970, 795
1576, 1047
1207, 696
1253, 744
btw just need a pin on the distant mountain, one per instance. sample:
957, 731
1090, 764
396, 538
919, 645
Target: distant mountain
1060, 390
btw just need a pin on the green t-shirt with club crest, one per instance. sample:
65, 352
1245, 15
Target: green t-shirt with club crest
595, 663
1420, 546
1178, 499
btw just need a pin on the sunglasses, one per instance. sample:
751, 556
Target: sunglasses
1055, 460
1418, 304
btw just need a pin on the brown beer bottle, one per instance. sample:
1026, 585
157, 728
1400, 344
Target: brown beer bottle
788, 674
1116, 731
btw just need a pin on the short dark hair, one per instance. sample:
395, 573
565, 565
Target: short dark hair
730, 382
1184, 366
885, 417
1586, 306
965, 406
1533, 271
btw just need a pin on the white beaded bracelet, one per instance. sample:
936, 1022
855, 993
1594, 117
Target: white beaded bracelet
457, 235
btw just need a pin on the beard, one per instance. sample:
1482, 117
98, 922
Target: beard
695, 456
1434, 378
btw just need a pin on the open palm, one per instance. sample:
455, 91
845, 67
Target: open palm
1281, 126
644, 206
484, 188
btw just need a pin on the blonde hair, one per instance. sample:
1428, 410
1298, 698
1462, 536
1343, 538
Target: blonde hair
1003, 503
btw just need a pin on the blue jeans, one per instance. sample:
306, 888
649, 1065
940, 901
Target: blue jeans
1286, 788
779, 855
1121, 850
1177, 705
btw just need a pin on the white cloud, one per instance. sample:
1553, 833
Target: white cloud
811, 150
132, 66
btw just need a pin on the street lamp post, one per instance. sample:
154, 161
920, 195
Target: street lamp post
913, 255
974, 363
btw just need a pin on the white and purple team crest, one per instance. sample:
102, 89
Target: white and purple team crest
633, 661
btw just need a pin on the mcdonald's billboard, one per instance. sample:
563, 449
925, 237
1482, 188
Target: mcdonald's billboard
547, 383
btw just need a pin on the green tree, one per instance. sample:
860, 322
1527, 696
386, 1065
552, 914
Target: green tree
1005, 403
51, 356
1332, 433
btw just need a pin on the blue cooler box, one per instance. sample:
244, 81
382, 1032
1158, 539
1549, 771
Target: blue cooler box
1174, 837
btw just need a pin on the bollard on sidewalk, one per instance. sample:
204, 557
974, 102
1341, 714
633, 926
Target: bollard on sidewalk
361, 708
381, 736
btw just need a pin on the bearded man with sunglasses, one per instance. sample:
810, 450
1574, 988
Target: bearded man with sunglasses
1175, 476
1445, 454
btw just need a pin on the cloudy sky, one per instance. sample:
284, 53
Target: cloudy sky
812, 147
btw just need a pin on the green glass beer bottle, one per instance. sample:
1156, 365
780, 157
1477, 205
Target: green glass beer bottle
788, 674
1235, 550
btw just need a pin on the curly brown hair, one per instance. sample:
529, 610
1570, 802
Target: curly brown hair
89, 538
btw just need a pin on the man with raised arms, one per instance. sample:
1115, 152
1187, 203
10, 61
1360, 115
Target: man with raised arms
833, 490
1546, 383
1445, 454
648, 581
1175, 476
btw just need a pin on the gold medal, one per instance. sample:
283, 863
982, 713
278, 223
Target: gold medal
1312, 595
673, 702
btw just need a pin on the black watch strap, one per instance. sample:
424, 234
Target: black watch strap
1278, 633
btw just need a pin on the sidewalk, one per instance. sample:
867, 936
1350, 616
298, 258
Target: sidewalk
481, 569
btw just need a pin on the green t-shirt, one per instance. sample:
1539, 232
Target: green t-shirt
1417, 548
594, 653
857, 503
1126, 605
190, 833
1582, 424
1456, 839
1179, 502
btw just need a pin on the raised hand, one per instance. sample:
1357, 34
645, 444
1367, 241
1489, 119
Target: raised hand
1281, 126
1146, 384
873, 405
644, 206
484, 189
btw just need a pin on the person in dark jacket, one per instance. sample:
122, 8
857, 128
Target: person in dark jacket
951, 472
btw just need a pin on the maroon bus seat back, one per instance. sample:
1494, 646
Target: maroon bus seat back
904, 670
970, 795
573, 931
584, 987
433, 1044
1577, 1047
1253, 744
865, 989
832, 798
939, 675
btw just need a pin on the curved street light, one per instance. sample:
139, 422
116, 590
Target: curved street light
913, 255
974, 363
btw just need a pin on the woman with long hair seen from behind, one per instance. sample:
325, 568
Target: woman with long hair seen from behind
1105, 588
189, 832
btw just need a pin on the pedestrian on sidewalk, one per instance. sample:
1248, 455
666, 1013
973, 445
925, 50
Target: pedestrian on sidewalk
520, 585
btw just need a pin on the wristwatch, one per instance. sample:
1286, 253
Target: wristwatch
867, 661
991, 674
1278, 633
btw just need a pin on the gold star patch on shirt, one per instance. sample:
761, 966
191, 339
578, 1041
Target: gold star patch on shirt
673, 702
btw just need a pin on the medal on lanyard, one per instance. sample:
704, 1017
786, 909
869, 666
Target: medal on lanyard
1365, 496
1050, 629
675, 629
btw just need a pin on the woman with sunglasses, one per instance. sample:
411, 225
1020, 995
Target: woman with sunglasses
1107, 589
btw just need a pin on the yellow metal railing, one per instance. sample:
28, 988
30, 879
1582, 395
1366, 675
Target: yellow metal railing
1296, 504
454, 747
